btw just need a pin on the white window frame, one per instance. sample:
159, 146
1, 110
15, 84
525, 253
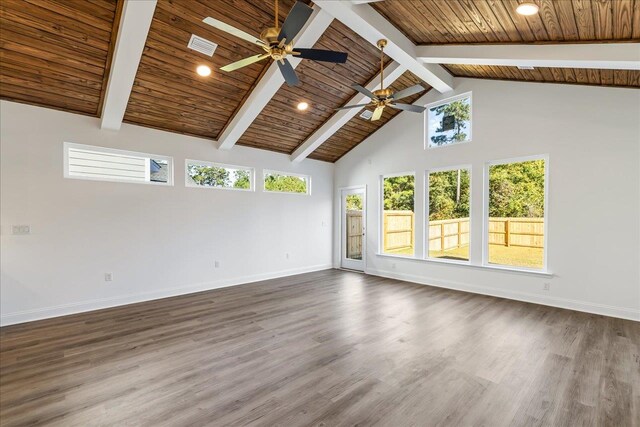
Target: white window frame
265, 172
469, 95
381, 214
98, 148
425, 241
485, 220
188, 180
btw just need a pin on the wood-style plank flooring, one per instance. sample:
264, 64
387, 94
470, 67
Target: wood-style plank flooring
329, 348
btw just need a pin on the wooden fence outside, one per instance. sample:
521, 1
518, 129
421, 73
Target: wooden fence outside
448, 234
526, 232
398, 230
354, 234
454, 233
445, 234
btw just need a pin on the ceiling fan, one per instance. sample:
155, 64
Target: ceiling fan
277, 43
386, 97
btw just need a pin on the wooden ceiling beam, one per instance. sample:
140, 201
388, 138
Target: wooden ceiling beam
372, 26
391, 73
271, 81
610, 56
132, 35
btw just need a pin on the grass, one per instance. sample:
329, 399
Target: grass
515, 256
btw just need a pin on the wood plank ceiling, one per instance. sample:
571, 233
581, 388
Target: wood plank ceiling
325, 86
495, 21
57, 53
358, 129
168, 94
54, 53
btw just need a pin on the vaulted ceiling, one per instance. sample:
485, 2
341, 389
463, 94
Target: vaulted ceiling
58, 53
54, 53
496, 21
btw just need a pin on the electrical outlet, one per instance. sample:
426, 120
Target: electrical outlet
216, 264
547, 286
108, 277
20, 229
286, 255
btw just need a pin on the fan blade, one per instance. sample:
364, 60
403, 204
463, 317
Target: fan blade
407, 92
408, 107
364, 91
244, 62
346, 107
232, 30
288, 72
322, 55
377, 113
294, 22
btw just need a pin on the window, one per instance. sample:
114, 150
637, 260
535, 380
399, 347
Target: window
107, 164
449, 121
398, 214
212, 175
280, 182
448, 221
516, 206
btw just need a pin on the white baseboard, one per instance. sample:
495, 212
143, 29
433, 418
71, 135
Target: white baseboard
97, 304
588, 307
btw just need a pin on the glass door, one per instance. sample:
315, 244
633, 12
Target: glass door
353, 228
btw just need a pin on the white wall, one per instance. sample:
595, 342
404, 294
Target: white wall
592, 137
157, 241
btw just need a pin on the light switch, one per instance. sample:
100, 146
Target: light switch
21, 229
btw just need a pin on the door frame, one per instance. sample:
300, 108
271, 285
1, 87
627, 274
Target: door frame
343, 224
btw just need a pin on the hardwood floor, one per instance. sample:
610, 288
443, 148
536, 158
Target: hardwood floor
327, 348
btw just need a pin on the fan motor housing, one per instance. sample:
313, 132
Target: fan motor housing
382, 93
270, 35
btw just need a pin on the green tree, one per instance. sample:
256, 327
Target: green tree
517, 190
285, 183
213, 176
398, 193
242, 179
448, 198
354, 202
461, 112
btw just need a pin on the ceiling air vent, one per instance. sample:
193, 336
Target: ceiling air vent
202, 45
366, 114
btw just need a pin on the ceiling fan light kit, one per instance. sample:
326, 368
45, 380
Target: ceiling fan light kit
381, 98
277, 43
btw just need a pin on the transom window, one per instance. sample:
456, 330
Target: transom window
108, 164
449, 121
213, 175
283, 182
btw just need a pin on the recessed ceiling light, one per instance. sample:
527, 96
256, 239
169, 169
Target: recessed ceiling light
527, 9
303, 106
525, 67
203, 70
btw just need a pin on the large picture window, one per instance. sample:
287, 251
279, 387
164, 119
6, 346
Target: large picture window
448, 221
516, 208
398, 217
212, 175
449, 121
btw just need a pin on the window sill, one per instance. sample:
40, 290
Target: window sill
543, 273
